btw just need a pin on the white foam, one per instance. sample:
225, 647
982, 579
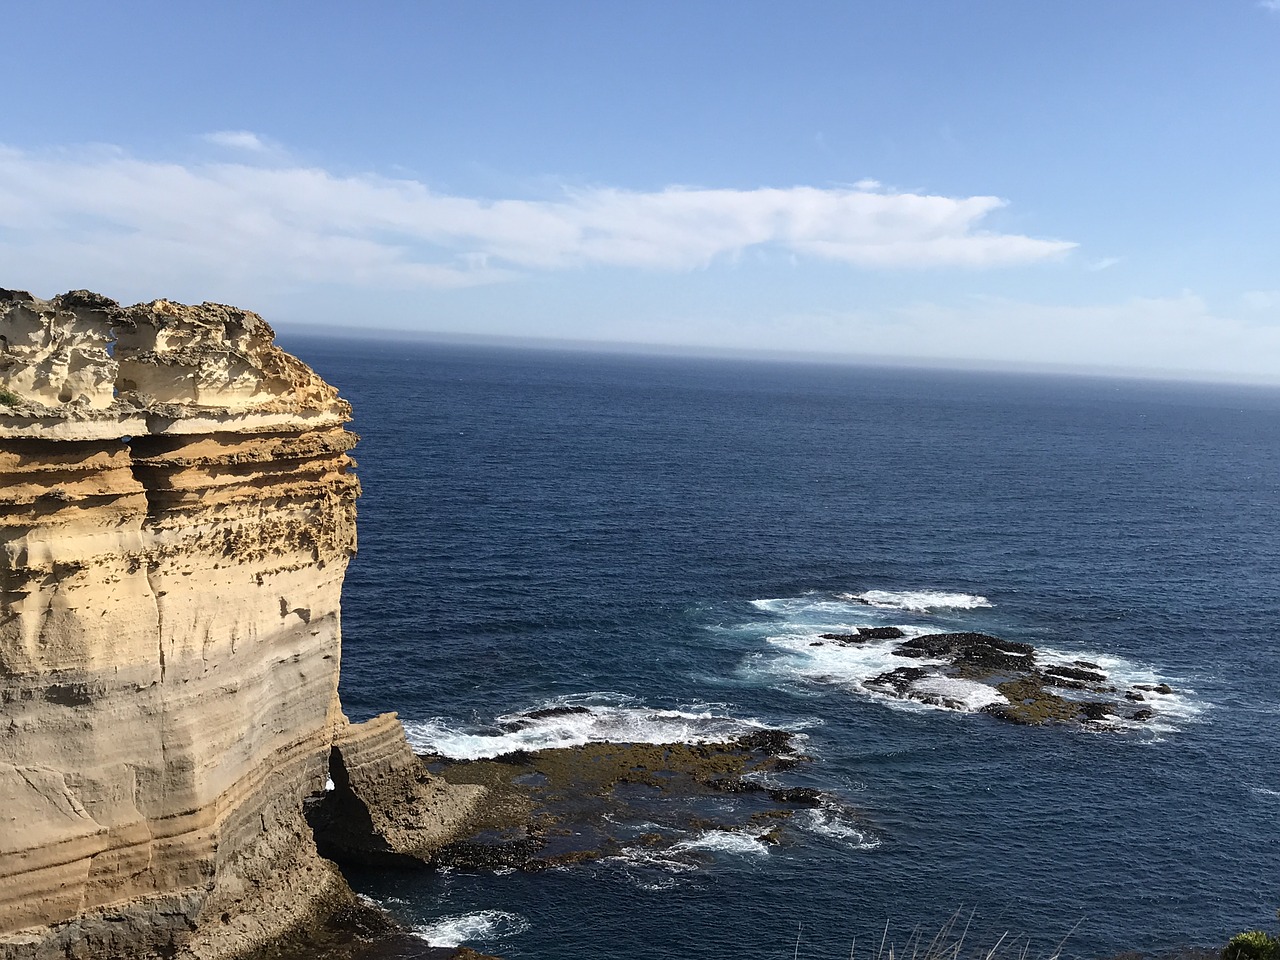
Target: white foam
971, 695
657, 859
1123, 674
920, 601
724, 841
812, 606
825, 823
600, 723
1266, 792
469, 927
831, 662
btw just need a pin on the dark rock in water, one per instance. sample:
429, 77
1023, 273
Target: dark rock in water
864, 634
528, 718
1049, 680
803, 796
1075, 673
520, 758
816, 643
977, 652
773, 742
735, 785
468, 855
1162, 688
1146, 713
564, 711
880, 633
1096, 711
898, 680
1008, 666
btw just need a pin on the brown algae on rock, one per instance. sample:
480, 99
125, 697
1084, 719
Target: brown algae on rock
564, 805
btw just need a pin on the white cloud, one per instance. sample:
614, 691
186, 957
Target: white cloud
239, 140
1272, 5
1106, 263
85, 213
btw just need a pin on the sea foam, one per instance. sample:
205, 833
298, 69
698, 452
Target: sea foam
572, 722
482, 925
920, 601
724, 841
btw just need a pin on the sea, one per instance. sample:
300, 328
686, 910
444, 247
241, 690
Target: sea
660, 539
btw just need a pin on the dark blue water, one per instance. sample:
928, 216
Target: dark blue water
538, 527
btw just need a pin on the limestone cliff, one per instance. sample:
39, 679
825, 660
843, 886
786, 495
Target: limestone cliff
176, 516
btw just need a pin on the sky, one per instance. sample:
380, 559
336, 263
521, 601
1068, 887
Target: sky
1092, 184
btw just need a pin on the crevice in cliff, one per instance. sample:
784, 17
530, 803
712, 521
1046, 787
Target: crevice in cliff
155, 597
343, 825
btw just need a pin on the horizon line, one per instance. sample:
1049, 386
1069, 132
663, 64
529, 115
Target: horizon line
756, 354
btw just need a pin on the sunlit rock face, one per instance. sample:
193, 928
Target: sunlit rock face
176, 516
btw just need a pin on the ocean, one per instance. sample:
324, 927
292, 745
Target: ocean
661, 540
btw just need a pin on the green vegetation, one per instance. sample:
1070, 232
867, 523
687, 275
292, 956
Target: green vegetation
8, 398
1252, 945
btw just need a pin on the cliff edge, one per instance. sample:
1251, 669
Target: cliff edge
176, 516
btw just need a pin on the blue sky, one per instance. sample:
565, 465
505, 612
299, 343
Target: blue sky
1092, 184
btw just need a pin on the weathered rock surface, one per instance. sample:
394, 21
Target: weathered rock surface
176, 516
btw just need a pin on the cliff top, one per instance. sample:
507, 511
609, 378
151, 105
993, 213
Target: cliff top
82, 367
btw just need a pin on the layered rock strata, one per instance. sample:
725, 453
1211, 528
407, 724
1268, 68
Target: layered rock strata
176, 516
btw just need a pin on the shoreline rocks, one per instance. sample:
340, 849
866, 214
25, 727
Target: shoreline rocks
568, 805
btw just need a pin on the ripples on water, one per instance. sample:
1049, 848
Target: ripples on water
659, 539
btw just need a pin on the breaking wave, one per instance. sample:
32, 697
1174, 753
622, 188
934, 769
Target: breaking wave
724, 841
919, 601
827, 823
572, 722
484, 925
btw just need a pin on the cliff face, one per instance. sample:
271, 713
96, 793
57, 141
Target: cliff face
176, 517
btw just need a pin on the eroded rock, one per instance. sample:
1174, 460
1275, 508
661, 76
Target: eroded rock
177, 511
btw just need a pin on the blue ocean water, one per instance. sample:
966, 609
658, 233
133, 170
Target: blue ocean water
661, 538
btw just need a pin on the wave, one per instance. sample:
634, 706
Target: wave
463, 928
842, 608
573, 722
724, 841
919, 601
827, 823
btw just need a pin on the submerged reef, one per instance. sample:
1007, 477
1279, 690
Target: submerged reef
177, 511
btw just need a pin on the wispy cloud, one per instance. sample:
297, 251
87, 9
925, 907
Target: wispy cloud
240, 140
105, 208
1106, 263
1272, 5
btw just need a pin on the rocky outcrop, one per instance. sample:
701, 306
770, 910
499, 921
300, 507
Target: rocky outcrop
176, 516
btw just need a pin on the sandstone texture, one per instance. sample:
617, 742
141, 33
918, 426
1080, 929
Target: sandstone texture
176, 516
